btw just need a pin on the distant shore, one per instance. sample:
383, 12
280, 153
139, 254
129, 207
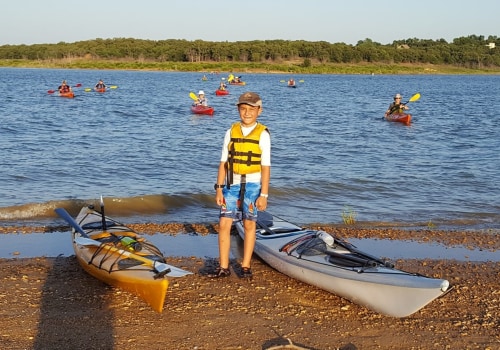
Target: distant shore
294, 68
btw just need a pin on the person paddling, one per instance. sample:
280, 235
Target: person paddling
64, 88
396, 107
202, 100
100, 85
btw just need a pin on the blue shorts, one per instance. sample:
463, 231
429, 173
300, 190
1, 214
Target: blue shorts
231, 207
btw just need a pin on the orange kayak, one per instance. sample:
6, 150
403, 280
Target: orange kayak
219, 92
69, 94
401, 118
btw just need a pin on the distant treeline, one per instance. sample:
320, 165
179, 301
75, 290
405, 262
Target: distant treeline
474, 51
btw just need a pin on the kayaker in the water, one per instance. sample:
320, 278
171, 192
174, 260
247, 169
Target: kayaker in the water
396, 107
202, 100
291, 82
222, 86
100, 85
242, 185
64, 87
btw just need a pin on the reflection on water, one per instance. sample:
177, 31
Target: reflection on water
187, 245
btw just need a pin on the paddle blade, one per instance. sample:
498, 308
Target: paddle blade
414, 97
78, 85
51, 91
87, 89
113, 87
193, 96
72, 222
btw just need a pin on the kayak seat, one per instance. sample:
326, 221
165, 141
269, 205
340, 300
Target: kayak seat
265, 219
98, 225
129, 262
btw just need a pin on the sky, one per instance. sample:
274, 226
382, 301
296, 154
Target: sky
334, 21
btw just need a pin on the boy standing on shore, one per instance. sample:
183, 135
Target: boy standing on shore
242, 185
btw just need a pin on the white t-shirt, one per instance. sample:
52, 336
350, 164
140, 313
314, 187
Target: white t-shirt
264, 144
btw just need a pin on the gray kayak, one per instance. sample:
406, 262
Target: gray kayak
330, 263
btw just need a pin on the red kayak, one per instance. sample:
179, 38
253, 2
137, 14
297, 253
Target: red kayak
401, 118
219, 92
69, 94
100, 89
202, 110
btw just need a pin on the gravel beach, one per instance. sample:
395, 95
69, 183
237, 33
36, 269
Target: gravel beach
51, 303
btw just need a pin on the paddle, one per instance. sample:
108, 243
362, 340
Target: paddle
52, 91
362, 254
193, 96
412, 99
103, 216
161, 268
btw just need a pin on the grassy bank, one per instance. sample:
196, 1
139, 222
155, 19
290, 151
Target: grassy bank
284, 67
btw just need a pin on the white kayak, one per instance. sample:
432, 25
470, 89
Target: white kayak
320, 259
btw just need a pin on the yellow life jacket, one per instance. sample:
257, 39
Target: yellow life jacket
244, 155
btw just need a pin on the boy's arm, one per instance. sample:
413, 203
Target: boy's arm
265, 179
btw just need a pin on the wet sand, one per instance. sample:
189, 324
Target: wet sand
51, 303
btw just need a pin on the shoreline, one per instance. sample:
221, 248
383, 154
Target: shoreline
37, 295
262, 68
482, 239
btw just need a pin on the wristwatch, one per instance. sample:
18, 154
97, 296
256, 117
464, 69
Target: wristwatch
216, 186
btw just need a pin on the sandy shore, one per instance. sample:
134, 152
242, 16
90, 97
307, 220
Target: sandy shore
51, 303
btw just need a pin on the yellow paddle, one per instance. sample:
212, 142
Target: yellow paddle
193, 96
412, 99
161, 269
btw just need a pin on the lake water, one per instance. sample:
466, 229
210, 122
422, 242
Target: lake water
140, 147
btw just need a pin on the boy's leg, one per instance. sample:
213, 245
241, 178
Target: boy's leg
249, 242
225, 241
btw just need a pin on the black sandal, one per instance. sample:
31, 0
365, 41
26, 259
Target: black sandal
246, 272
219, 273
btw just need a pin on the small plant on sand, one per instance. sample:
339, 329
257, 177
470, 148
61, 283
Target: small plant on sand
431, 225
348, 216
